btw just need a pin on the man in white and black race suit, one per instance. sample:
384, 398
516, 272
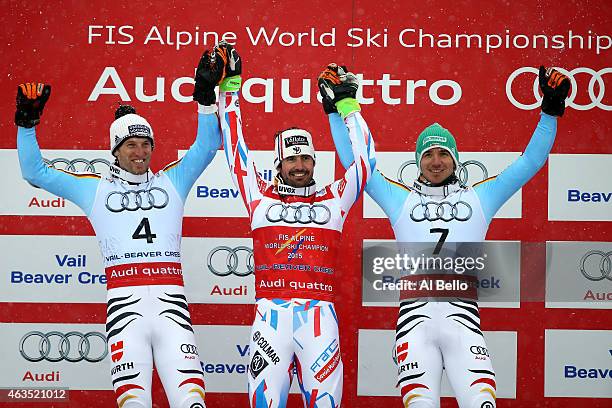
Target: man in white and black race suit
137, 217
432, 335
296, 227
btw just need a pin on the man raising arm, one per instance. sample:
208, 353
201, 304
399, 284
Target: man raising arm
296, 227
137, 218
440, 334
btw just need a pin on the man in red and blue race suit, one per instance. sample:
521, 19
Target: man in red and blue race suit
296, 227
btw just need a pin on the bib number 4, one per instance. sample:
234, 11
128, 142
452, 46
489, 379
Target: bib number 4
143, 231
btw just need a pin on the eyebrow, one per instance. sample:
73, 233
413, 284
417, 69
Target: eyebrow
136, 142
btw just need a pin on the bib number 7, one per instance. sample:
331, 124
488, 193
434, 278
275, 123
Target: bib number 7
443, 234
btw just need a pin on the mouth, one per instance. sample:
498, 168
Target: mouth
139, 161
437, 171
298, 174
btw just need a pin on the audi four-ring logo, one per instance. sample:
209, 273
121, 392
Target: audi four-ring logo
189, 349
479, 351
229, 259
92, 351
444, 210
597, 273
133, 200
298, 213
596, 77
462, 171
70, 164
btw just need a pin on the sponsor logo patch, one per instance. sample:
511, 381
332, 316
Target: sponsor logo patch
296, 140
258, 364
139, 130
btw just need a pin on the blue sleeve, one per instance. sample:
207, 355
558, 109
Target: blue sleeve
342, 140
78, 188
184, 172
493, 193
390, 196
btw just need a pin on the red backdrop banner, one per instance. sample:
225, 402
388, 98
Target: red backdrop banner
467, 65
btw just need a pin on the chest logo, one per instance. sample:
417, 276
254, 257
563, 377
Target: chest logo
298, 213
133, 200
444, 210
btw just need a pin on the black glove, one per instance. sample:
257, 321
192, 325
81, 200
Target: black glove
31, 99
336, 83
555, 86
233, 67
210, 71
331, 75
233, 62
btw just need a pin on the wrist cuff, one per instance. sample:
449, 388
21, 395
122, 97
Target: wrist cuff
347, 106
207, 109
231, 84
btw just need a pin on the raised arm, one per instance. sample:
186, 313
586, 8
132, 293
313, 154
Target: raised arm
359, 172
338, 90
80, 188
388, 194
185, 171
239, 159
494, 192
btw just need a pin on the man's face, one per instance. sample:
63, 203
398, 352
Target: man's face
437, 165
134, 155
297, 171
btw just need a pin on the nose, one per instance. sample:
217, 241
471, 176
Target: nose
300, 162
141, 151
436, 159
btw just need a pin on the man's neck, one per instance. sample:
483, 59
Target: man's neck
440, 190
131, 178
285, 189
